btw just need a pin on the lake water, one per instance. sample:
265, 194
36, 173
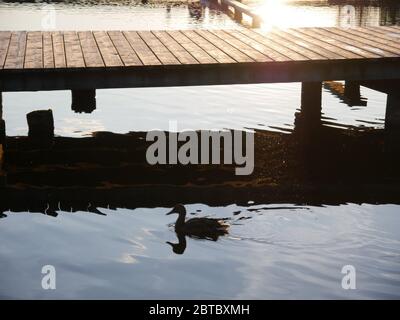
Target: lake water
286, 252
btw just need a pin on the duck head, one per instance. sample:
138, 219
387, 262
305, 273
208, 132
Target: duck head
179, 209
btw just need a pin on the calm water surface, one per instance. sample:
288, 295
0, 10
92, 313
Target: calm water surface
284, 253
272, 252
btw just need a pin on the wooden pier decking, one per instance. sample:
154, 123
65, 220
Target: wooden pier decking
34, 61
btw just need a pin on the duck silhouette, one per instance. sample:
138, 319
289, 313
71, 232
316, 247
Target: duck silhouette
203, 228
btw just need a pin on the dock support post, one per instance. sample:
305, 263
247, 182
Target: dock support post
352, 90
311, 99
392, 122
256, 22
224, 6
2, 123
3, 176
238, 15
2, 131
83, 100
41, 127
1, 105
309, 117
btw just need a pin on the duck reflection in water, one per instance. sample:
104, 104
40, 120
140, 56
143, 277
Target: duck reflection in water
200, 228
179, 248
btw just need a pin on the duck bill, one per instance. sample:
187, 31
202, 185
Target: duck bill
171, 212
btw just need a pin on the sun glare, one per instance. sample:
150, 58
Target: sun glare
282, 14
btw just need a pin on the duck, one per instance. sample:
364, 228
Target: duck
203, 228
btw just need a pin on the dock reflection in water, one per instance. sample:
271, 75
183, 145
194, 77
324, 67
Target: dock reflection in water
111, 169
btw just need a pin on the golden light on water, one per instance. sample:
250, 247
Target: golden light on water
284, 14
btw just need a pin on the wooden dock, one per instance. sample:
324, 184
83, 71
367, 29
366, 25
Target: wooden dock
85, 61
34, 61
240, 9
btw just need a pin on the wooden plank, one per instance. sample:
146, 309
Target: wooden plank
259, 37
303, 33
361, 48
301, 49
180, 53
16, 51
384, 50
211, 74
107, 49
5, 37
267, 51
309, 44
381, 32
73, 50
390, 29
230, 50
337, 41
158, 48
377, 38
59, 50
207, 46
334, 45
198, 53
48, 54
140, 47
243, 47
34, 51
125, 51
91, 53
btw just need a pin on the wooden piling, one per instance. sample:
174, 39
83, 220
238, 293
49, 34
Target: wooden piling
256, 23
392, 123
311, 98
3, 175
309, 117
2, 122
2, 131
238, 15
392, 118
41, 125
352, 90
83, 100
